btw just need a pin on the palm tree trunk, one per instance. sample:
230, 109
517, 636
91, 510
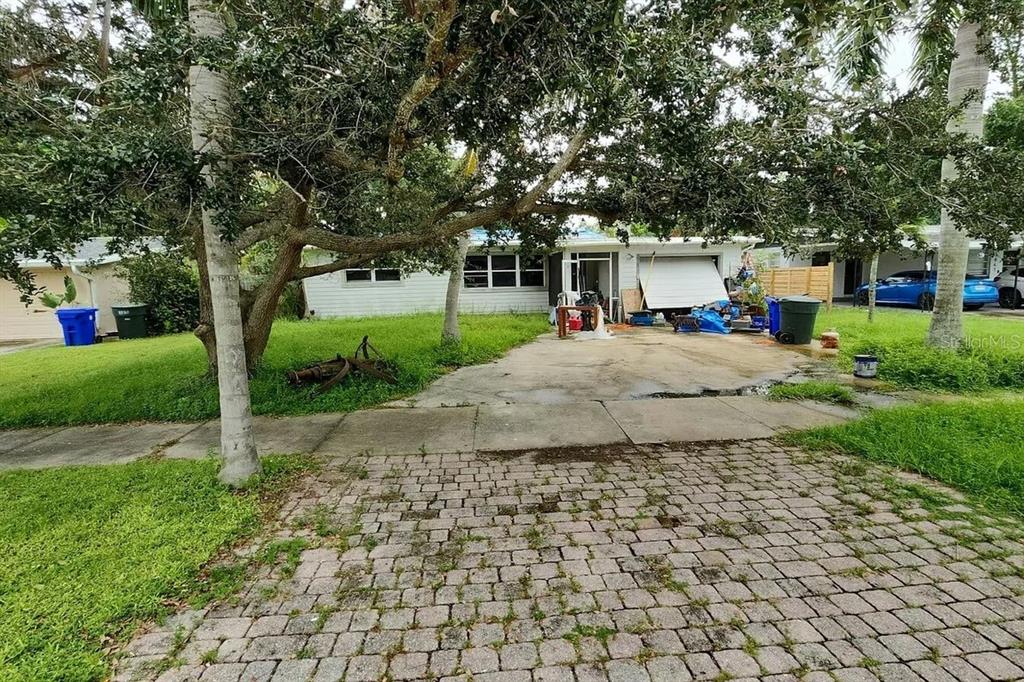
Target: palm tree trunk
968, 77
208, 97
872, 286
452, 333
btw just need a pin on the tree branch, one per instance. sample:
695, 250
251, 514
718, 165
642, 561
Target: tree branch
340, 159
333, 266
530, 199
399, 241
437, 64
438, 227
557, 208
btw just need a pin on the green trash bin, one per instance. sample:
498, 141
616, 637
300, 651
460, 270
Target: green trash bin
131, 321
798, 315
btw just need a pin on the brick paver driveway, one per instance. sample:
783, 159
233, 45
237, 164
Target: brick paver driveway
741, 561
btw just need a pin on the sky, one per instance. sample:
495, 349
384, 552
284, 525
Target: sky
900, 60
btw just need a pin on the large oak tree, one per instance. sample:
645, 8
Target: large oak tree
348, 121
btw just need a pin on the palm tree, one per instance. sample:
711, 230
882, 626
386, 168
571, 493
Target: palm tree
968, 76
951, 49
210, 125
209, 119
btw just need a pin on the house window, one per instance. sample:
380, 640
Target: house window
475, 275
358, 275
821, 258
373, 275
531, 271
502, 271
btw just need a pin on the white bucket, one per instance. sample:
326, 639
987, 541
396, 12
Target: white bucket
865, 366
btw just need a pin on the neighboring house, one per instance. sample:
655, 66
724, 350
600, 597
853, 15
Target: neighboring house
95, 274
851, 273
675, 274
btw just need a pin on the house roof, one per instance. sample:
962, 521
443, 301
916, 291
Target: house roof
930, 234
92, 252
590, 236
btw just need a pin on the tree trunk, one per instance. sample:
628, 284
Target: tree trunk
90, 14
968, 76
210, 124
451, 332
204, 330
260, 315
104, 55
872, 286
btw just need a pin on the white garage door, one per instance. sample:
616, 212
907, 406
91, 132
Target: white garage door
681, 282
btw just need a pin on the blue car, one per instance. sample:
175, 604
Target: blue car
917, 288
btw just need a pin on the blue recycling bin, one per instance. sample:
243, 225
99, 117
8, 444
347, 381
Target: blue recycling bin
774, 315
79, 325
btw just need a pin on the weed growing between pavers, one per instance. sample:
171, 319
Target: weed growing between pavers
756, 562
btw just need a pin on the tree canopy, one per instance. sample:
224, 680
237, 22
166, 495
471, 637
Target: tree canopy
384, 130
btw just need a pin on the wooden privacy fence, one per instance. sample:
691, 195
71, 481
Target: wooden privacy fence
816, 281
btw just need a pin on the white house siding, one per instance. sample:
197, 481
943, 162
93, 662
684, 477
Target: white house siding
110, 289
332, 296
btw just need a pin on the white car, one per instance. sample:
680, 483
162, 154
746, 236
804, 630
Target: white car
1008, 297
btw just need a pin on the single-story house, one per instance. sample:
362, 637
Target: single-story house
97, 281
675, 274
851, 273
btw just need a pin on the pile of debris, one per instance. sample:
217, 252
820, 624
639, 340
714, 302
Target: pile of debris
330, 373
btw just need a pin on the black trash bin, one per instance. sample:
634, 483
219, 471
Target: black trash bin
131, 321
798, 315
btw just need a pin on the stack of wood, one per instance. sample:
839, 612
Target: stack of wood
330, 373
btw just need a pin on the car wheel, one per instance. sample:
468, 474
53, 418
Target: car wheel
1009, 298
926, 301
861, 298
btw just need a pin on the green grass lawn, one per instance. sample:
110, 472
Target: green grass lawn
823, 391
163, 379
975, 445
992, 356
88, 552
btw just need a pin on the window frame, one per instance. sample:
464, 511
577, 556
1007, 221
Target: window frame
373, 276
490, 271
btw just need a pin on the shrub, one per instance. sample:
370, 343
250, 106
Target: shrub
169, 284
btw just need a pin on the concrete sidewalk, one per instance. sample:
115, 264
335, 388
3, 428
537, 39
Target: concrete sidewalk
406, 431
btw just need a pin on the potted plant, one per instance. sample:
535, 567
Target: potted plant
78, 324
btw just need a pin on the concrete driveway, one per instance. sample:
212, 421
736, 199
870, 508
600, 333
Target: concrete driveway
638, 363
